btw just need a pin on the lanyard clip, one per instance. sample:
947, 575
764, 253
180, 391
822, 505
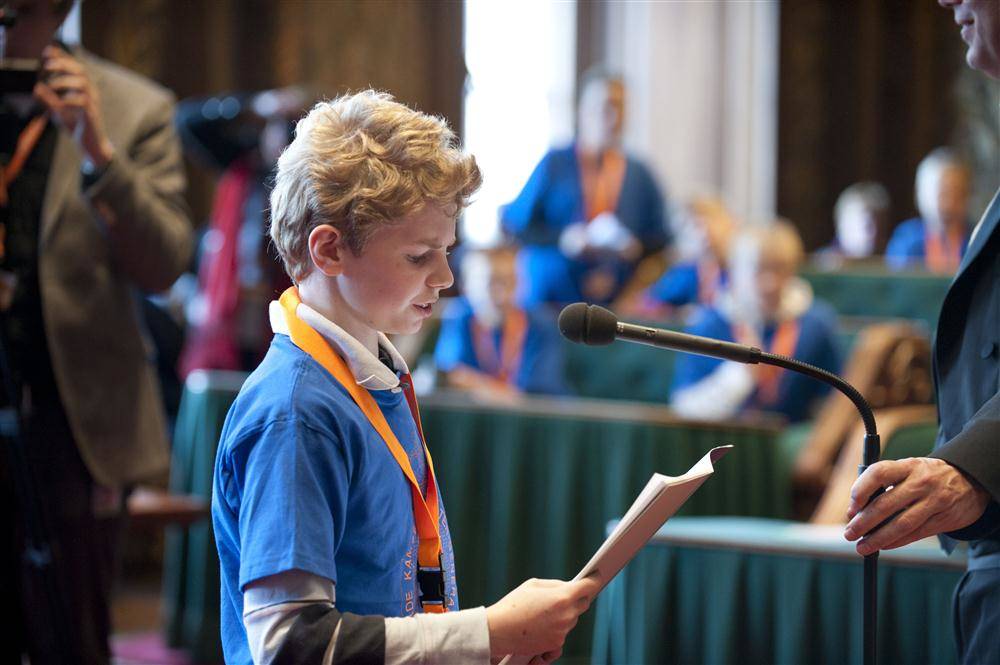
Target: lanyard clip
431, 583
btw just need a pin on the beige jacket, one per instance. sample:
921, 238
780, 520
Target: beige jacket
93, 265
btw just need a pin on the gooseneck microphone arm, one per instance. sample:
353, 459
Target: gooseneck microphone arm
596, 326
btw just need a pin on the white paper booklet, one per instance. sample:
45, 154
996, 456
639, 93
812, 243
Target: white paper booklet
659, 500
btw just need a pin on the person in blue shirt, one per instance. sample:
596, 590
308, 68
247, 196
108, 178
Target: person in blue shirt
332, 533
766, 306
936, 240
589, 212
491, 346
703, 239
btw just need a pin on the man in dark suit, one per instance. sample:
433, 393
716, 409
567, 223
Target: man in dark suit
955, 491
93, 215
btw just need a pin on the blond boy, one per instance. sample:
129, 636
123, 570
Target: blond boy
331, 533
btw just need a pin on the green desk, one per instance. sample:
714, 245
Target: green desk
640, 372
877, 293
190, 561
530, 486
723, 590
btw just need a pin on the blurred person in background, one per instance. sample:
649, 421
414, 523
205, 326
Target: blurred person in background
955, 491
937, 239
859, 215
93, 217
703, 233
491, 346
241, 136
769, 307
589, 212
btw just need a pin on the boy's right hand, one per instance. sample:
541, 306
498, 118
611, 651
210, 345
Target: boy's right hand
534, 618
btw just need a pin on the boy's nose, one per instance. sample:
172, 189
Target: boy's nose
441, 277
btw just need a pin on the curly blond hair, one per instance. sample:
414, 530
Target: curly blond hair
361, 161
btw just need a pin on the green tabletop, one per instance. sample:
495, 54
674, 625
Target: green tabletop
880, 294
529, 486
723, 590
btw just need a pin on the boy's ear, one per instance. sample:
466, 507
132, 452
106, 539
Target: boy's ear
326, 249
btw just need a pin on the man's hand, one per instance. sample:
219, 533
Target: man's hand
931, 496
534, 619
67, 92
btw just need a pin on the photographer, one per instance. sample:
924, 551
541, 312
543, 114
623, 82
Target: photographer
92, 215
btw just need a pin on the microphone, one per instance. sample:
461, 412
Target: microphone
593, 325
596, 326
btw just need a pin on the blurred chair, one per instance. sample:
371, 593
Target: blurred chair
905, 431
891, 367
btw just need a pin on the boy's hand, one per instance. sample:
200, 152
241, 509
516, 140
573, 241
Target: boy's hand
70, 96
535, 618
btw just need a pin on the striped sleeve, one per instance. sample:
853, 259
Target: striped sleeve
291, 618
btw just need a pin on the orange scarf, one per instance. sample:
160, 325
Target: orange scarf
515, 329
26, 142
426, 510
942, 252
783, 343
601, 178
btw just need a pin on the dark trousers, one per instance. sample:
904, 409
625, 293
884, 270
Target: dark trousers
977, 617
83, 543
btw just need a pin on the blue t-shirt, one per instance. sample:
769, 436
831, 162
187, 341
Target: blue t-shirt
303, 481
551, 200
797, 394
907, 246
681, 285
542, 367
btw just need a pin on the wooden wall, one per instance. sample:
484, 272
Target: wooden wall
866, 89
410, 48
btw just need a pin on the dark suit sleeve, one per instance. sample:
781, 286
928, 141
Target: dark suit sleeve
975, 451
140, 197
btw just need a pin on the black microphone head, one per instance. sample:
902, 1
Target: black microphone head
572, 322
588, 324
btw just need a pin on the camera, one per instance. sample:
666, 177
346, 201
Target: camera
16, 74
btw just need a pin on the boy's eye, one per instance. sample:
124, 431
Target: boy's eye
417, 259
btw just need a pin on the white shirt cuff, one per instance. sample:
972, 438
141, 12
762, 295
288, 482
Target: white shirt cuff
433, 639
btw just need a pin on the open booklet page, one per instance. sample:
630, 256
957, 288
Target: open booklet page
659, 500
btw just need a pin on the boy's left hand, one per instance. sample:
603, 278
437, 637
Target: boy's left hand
71, 98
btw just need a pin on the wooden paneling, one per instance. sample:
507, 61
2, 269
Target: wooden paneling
866, 89
410, 48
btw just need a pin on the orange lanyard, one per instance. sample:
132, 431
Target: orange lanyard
26, 142
426, 511
769, 377
601, 181
708, 280
941, 255
505, 367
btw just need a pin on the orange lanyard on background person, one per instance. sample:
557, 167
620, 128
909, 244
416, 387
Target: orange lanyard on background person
942, 254
708, 280
505, 368
26, 142
426, 510
783, 343
601, 178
